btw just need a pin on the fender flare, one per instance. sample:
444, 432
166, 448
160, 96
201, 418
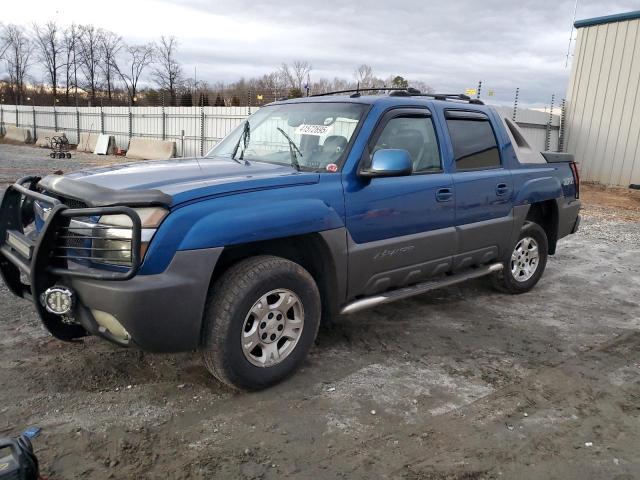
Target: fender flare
243, 223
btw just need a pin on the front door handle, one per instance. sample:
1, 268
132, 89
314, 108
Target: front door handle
444, 195
502, 189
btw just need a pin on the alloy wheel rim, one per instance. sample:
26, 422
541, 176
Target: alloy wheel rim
272, 328
525, 259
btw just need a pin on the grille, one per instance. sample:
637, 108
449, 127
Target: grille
72, 202
74, 240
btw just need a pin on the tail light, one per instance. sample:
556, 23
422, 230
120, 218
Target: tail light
576, 177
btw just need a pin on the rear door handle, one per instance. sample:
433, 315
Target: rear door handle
444, 194
502, 189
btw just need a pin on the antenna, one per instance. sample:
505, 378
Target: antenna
575, 10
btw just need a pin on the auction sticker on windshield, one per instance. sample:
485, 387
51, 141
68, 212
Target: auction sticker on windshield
317, 130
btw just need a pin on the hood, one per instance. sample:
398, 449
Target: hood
187, 179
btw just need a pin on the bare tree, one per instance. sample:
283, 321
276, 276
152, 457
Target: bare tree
110, 46
364, 76
168, 73
70, 65
301, 71
294, 75
422, 86
138, 58
273, 83
49, 52
4, 45
17, 58
89, 42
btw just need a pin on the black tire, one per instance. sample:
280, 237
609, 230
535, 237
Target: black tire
52, 155
68, 155
230, 300
505, 281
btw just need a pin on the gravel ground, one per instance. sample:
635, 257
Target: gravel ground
461, 383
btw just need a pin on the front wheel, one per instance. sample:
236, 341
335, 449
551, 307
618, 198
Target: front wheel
526, 262
262, 318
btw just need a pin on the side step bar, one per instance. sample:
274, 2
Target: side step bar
406, 292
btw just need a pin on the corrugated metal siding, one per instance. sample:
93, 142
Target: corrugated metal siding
603, 103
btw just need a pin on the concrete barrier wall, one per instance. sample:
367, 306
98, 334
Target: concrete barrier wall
44, 137
17, 134
87, 142
150, 149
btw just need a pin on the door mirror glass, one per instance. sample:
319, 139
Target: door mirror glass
390, 162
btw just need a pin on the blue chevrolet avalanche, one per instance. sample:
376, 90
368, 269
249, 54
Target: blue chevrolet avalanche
311, 208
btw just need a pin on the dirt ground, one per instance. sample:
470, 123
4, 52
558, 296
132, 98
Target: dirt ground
461, 383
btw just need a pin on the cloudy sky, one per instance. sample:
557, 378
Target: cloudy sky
450, 44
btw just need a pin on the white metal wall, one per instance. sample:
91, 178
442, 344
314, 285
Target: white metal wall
603, 103
536, 125
196, 129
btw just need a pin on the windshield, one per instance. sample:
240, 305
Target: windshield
307, 136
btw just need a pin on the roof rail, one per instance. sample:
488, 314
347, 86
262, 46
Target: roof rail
356, 91
404, 92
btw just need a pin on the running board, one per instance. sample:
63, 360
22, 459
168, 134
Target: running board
406, 292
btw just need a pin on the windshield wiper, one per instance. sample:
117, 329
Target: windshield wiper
292, 149
244, 139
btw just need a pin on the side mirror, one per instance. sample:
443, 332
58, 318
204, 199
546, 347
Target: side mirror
389, 162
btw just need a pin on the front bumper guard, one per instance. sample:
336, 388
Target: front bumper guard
39, 258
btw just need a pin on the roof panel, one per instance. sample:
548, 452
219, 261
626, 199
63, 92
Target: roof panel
618, 17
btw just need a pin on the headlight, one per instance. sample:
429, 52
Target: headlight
149, 218
111, 243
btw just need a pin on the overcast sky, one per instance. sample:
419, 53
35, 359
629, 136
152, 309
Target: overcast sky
449, 44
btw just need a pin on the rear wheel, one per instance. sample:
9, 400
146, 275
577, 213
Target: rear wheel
262, 318
526, 262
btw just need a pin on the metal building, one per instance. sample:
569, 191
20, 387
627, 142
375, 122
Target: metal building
603, 99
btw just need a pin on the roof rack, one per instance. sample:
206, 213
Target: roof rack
356, 91
405, 92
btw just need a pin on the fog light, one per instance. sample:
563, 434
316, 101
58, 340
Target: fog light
58, 300
109, 323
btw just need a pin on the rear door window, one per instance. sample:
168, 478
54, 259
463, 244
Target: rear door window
474, 142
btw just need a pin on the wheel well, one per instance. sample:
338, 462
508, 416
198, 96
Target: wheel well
310, 251
545, 214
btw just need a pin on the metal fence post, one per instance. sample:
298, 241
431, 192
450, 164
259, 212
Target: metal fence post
17, 118
479, 89
515, 105
202, 128
547, 141
563, 119
78, 124
182, 143
35, 133
164, 118
130, 123
1, 120
55, 119
101, 118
